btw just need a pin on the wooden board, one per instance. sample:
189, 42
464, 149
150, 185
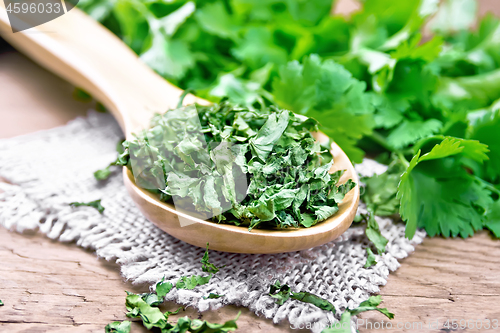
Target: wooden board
52, 287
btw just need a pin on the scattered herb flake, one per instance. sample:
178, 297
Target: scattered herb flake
280, 292
163, 288
95, 204
103, 173
191, 282
374, 235
283, 292
207, 266
118, 327
370, 304
213, 296
307, 297
370, 259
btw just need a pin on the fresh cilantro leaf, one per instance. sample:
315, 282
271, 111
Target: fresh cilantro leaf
373, 37
436, 193
380, 192
472, 52
214, 19
213, 296
327, 91
486, 130
370, 259
95, 204
409, 132
238, 90
389, 111
492, 218
170, 57
257, 49
414, 50
476, 91
118, 327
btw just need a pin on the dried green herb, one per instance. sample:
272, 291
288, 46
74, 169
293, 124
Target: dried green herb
371, 304
370, 259
94, 204
118, 327
213, 296
283, 293
243, 166
146, 307
208, 266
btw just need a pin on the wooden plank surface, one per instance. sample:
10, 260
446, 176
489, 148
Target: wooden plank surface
52, 287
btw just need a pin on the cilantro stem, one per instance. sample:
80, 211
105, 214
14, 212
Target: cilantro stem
184, 94
380, 140
487, 185
403, 160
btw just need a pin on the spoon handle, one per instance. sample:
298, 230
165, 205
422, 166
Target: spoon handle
89, 56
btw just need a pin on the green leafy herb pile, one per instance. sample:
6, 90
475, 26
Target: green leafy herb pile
379, 85
243, 166
146, 307
283, 293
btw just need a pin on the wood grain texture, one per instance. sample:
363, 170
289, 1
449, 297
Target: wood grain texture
87, 55
444, 278
49, 286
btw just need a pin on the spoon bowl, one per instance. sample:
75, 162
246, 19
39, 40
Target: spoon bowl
89, 56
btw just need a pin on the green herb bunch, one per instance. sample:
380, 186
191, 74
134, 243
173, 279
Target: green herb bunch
376, 81
242, 166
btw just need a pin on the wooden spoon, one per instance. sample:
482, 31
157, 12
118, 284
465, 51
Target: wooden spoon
89, 56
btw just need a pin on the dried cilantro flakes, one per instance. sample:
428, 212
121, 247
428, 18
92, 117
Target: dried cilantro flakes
94, 204
247, 167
